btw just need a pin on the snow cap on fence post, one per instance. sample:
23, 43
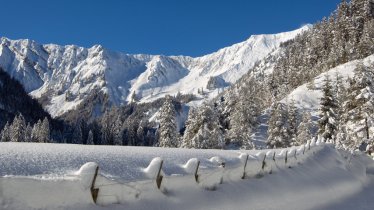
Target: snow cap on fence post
88, 173
154, 170
244, 158
261, 156
192, 167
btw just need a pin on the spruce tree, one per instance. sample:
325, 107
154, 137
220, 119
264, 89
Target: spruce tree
328, 112
278, 130
191, 128
167, 131
117, 132
5, 133
28, 133
292, 122
45, 133
304, 133
359, 108
35, 134
17, 129
77, 137
242, 123
90, 140
203, 130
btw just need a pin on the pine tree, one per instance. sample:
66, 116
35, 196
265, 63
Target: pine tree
106, 129
242, 123
191, 129
35, 134
327, 113
134, 97
5, 133
117, 132
28, 133
304, 129
77, 137
17, 129
168, 136
140, 133
340, 92
278, 130
359, 108
292, 122
203, 130
90, 140
45, 133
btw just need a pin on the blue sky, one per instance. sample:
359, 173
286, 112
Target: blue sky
169, 27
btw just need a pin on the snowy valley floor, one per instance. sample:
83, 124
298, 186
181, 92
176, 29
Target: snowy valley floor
323, 178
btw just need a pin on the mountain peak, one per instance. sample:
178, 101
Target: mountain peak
67, 75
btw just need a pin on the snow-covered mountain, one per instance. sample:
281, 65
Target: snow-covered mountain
64, 76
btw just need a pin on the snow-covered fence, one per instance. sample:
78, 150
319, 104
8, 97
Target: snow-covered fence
92, 184
247, 166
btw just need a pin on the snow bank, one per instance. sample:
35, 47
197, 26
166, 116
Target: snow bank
154, 168
319, 173
191, 165
86, 174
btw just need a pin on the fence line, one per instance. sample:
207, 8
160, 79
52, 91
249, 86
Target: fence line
267, 163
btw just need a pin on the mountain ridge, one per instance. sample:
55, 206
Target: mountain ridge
64, 76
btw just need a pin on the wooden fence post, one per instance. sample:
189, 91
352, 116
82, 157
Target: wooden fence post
304, 150
94, 191
197, 169
263, 162
159, 176
245, 166
285, 159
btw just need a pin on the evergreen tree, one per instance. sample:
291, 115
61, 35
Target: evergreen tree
292, 122
117, 132
45, 133
242, 122
77, 137
17, 129
167, 132
278, 130
359, 108
140, 133
90, 140
304, 129
203, 130
28, 133
327, 113
35, 133
340, 92
107, 127
5, 133
191, 129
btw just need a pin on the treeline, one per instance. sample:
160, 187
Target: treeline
128, 124
19, 131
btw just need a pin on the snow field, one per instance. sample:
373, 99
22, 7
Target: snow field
28, 189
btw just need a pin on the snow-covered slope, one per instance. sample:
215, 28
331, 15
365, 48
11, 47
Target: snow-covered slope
47, 176
307, 99
65, 75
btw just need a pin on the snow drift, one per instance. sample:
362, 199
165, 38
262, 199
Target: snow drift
308, 179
